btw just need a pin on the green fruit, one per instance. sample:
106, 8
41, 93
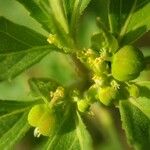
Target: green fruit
35, 114
83, 105
42, 118
90, 94
107, 94
46, 123
127, 63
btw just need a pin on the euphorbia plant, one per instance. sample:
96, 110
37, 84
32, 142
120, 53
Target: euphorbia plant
107, 67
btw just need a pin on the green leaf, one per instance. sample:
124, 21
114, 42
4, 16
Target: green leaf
125, 19
137, 23
100, 7
77, 10
135, 124
118, 13
71, 134
143, 102
135, 115
10, 107
20, 48
84, 139
15, 133
84, 4
47, 12
38, 13
15, 37
13, 122
52, 18
12, 64
58, 11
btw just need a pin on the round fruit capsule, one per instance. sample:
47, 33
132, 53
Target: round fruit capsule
46, 123
107, 94
35, 114
90, 94
83, 105
127, 63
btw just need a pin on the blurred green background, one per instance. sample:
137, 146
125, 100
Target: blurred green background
59, 67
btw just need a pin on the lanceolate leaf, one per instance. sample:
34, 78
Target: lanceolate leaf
143, 102
52, 17
118, 13
101, 8
135, 116
10, 107
14, 133
47, 12
139, 22
14, 38
39, 13
84, 4
136, 125
129, 19
58, 11
84, 138
20, 48
78, 7
70, 135
13, 122
12, 64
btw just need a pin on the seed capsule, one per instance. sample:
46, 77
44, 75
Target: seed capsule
83, 105
41, 117
46, 123
35, 114
127, 63
107, 94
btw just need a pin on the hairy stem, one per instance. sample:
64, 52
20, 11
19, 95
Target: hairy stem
82, 73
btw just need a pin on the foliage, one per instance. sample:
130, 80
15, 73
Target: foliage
118, 23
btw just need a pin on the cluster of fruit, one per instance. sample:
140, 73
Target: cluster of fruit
112, 75
112, 70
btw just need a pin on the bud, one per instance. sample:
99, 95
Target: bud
43, 119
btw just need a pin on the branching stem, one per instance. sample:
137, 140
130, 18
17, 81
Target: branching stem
82, 72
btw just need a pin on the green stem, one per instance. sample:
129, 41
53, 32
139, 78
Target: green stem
82, 73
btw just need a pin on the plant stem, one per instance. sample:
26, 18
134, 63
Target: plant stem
82, 72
